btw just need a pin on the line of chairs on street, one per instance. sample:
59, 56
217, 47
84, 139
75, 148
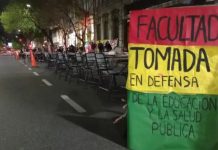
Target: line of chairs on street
106, 73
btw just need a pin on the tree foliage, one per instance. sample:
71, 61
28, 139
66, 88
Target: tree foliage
76, 14
16, 16
43, 16
66, 15
16, 45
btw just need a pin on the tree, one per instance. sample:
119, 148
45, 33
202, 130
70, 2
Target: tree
45, 15
16, 17
75, 14
16, 45
48, 15
31, 21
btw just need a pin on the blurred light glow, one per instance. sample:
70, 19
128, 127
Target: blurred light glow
28, 5
33, 44
10, 44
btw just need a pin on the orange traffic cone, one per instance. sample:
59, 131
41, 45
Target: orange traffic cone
33, 60
17, 55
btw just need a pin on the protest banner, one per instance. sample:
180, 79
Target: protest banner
172, 79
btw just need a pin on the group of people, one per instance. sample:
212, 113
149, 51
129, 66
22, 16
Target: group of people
90, 47
100, 47
107, 47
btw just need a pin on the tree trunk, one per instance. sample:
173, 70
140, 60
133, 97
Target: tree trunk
48, 35
65, 39
50, 40
83, 45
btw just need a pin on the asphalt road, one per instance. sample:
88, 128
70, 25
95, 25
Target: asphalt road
39, 111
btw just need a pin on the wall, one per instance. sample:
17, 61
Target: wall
107, 7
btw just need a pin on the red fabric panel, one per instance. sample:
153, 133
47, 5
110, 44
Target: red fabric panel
175, 26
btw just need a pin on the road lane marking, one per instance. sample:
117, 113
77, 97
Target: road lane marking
103, 88
72, 103
46, 82
30, 69
25, 65
35, 73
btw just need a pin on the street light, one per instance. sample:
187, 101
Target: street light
28, 5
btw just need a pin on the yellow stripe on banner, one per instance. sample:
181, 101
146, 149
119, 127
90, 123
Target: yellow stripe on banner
171, 68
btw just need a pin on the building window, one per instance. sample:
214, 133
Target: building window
115, 23
105, 23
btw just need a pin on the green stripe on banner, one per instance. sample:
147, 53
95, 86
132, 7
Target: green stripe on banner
172, 121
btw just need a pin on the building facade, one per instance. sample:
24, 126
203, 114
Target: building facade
112, 18
109, 19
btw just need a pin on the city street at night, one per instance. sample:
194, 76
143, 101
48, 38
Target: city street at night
108, 75
34, 116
